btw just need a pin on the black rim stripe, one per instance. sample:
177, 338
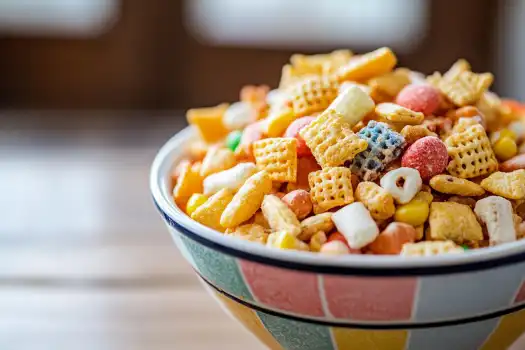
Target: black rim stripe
396, 326
346, 270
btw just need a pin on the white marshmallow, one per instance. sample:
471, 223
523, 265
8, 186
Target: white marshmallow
239, 115
232, 178
412, 184
355, 223
353, 104
496, 213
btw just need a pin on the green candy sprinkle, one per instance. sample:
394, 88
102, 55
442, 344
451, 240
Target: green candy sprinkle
233, 139
465, 247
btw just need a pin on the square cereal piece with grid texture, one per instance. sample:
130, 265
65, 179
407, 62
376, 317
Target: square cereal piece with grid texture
471, 153
430, 248
313, 95
465, 88
278, 156
384, 146
453, 221
330, 188
331, 140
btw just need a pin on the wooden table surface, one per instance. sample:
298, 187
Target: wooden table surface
85, 260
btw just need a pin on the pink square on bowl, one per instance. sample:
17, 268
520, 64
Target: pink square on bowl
283, 289
370, 298
521, 294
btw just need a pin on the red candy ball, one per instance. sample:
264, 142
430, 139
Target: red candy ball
293, 131
427, 155
419, 98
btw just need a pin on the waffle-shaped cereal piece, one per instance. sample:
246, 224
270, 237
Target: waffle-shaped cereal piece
369, 65
430, 248
398, 114
250, 232
188, 183
209, 213
247, 200
313, 95
453, 221
508, 185
330, 187
278, 156
208, 122
291, 76
320, 63
217, 159
378, 201
279, 216
471, 153
466, 87
384, 145
454, 185
331, 140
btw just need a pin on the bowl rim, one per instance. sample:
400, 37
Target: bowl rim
368, 265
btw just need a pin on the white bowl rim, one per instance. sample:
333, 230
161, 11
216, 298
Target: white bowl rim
477, 259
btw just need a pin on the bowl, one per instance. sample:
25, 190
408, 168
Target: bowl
300, 300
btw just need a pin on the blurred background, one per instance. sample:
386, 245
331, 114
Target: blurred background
90, 89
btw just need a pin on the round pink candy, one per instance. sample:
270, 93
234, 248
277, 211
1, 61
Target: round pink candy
419, 98
293, 131
427, 155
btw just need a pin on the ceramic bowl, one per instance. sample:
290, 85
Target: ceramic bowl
304, 301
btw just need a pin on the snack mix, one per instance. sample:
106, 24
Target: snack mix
351, 155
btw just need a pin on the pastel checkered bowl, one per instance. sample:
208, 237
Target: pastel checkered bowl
298, 300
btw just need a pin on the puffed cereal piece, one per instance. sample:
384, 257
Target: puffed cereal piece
465, 88
278, 156
247, 200
355, 223
232, 178
285, 240
398, 114
453, 221
412, 133
378, 201
278, 121
384, 146
331, 140
496, 213
455, 185
313, 95
509, 185
217, 159
208, 122
353, 105
389, 84
471, 153
250, 232
209, 213
404, 193
431, 248
320, 222
369, 65
330, 188
188, 183
317, 240
279, 216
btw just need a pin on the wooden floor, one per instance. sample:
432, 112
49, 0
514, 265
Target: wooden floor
85, 260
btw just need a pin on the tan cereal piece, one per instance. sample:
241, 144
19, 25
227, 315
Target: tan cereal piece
471, 153
331, 140
420, 232
247, 200
465, 88
412, 133
508, 185
369, 65
313, 95
250, 232
279, 216
463, 124
209, 213
320, 222
455, 185
217, 159
188, 183
278, 156
259, 219
317, 240
291, 76
453, 221
378, 201
431, 248
320, 63
398, 114
208, 122
389, 84
330, 188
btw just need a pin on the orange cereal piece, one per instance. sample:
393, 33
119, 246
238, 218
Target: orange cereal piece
369, 65
300, 203
392, 239
208, 122
188, 183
